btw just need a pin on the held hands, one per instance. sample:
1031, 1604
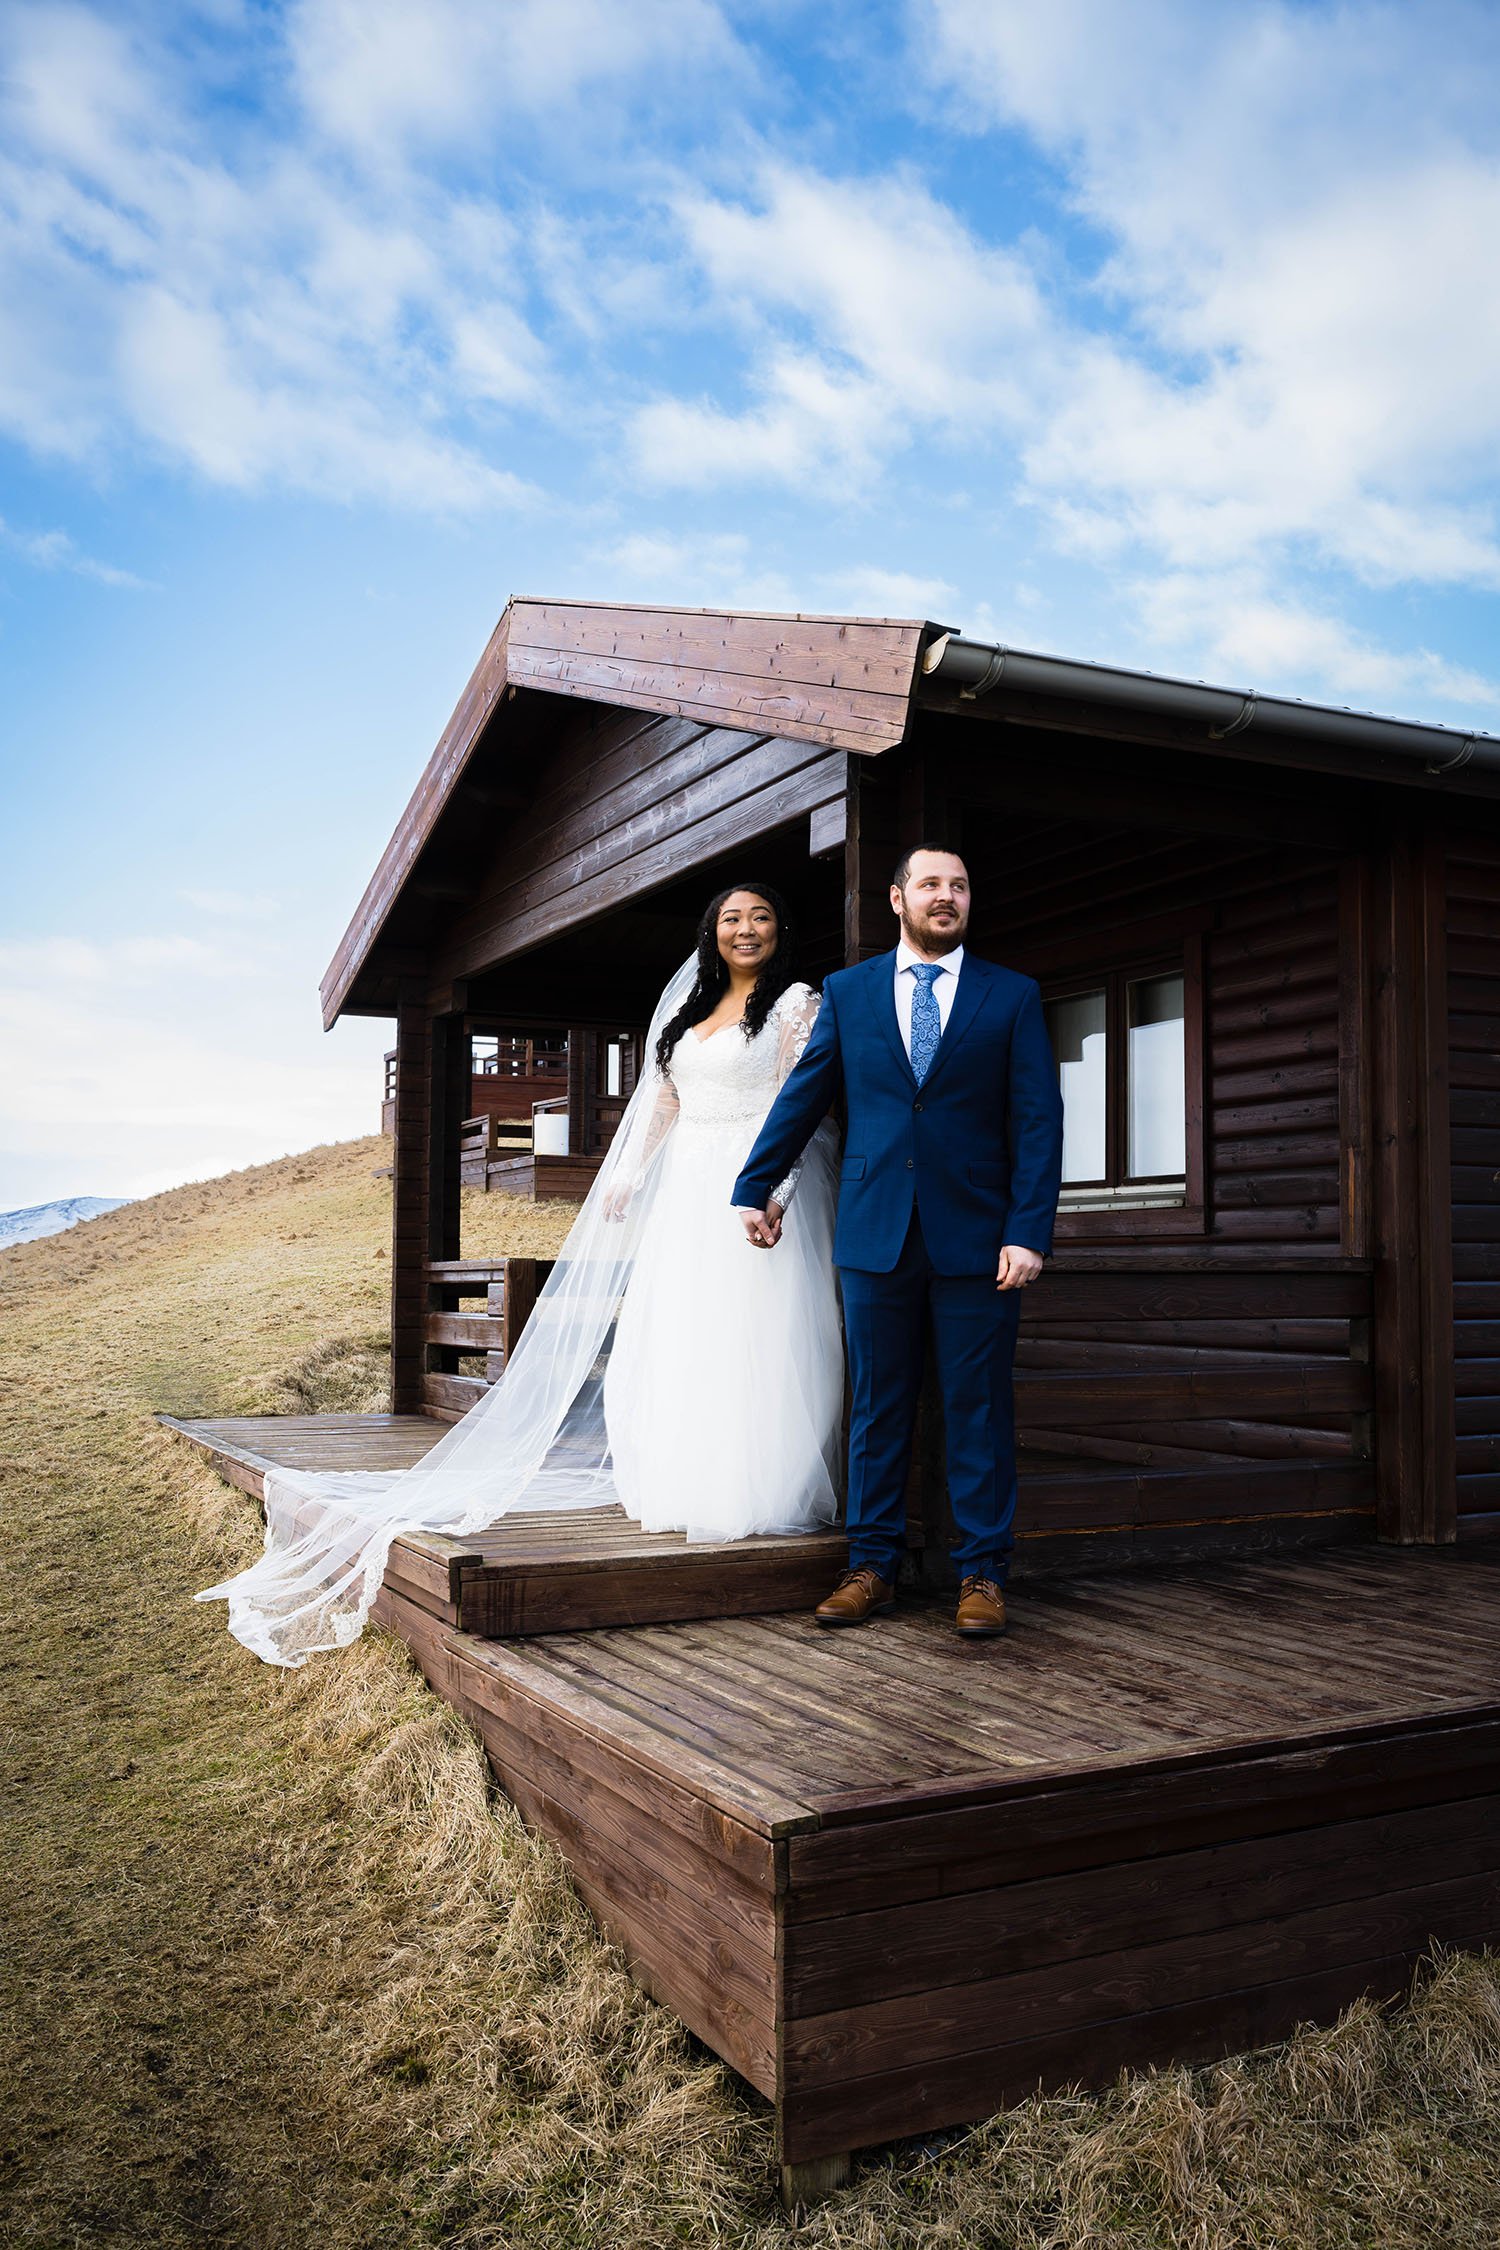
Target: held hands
763, 1228
1017, 1267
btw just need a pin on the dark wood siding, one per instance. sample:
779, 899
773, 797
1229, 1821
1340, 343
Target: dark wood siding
625, 805
1272, 1006
1474, 1099
1175, 1391
1156, 1407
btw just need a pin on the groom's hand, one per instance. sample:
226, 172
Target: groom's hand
763, 1228
1017, 1267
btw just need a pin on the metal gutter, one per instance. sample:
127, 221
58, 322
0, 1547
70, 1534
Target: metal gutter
976, 668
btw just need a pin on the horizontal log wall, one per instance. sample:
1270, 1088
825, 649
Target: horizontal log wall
1205, 1391
1272, 1008
1473, 931
1153, 1406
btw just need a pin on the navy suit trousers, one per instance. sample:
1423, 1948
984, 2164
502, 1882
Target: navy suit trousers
974, 1344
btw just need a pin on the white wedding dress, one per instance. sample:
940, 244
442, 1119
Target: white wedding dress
724, 1394
668, 1364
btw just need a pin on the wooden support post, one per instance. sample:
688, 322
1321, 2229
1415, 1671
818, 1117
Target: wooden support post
1415, 1444
802, 2184
432, 1092
583, 1089
870, 851
517, 1300
410, 1189
451, 1058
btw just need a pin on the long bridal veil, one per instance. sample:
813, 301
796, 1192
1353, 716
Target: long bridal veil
536, 1439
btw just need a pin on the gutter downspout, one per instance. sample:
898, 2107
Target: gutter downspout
974, 668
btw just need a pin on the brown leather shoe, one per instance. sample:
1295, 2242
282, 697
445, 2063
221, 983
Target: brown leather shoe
858, 1596
981, 1609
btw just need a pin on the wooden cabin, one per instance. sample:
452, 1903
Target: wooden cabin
1181, 1806
543, 1106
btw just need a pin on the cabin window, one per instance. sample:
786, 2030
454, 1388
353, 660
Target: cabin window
1122, 1040
1156, 1121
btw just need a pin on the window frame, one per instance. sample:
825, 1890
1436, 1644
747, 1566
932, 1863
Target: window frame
1186, 1212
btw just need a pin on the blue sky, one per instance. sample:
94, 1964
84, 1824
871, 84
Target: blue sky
1164, 333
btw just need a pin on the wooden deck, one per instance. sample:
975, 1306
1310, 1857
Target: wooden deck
527, 1574
898, 1881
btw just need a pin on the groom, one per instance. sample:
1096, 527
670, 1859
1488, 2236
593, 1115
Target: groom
949, 1189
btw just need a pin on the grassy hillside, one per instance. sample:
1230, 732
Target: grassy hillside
280, 1971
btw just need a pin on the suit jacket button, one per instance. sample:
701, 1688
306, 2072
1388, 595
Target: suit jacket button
910, 1164
916, 1105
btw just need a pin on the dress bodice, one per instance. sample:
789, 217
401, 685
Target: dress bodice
727, 1079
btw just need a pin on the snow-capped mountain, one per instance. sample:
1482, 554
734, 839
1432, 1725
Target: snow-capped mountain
54, 1218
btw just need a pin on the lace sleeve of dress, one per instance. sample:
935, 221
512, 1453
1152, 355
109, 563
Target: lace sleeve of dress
796, 1013
663, 1117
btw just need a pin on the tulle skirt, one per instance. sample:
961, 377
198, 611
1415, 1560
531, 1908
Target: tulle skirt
724, 1392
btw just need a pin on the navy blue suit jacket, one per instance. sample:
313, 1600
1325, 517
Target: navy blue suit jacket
978, 1147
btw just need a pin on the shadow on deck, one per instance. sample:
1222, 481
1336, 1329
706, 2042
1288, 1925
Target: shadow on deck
898, 1881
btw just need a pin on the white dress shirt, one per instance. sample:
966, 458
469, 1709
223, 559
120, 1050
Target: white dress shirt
944, 986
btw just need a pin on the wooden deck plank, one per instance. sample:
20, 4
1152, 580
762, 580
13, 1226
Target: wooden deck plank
1284, 1644
589, 1712
1250, 1681
630, 1673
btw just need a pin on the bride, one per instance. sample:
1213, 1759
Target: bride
666, 1366
725, 1387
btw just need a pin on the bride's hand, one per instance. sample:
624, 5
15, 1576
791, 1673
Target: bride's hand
618, 1199
762, 1228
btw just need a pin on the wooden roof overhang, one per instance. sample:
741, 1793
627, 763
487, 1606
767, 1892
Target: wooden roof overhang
845, 683
850, 684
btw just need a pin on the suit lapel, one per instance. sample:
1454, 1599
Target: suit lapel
883, 1005
973, 985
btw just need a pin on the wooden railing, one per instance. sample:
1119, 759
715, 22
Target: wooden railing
523, 1058
457, 1330
488, 1140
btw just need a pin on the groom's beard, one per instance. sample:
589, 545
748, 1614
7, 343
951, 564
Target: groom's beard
934, 937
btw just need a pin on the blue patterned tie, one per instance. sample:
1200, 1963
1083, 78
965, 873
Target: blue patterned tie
926, 1022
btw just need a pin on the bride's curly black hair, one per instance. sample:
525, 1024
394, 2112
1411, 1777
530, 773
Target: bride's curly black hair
712, 980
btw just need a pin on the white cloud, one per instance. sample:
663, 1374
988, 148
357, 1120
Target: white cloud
884, 317
1243, 629
1300, 207
691, 568
56, 550
889, 593
198, 1059
1271, 353
380, 75
721, 566
228, 302
810, 424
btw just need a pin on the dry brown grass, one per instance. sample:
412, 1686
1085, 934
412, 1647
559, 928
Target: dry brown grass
281, 1971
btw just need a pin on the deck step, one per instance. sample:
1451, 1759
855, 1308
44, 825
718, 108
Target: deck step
528, 1574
